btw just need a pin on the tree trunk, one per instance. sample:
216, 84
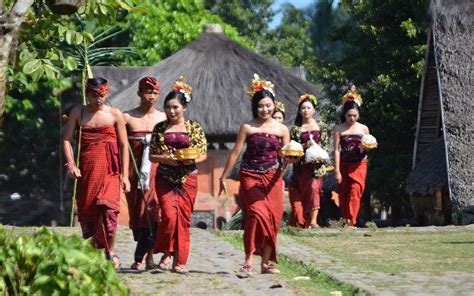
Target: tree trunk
10, 22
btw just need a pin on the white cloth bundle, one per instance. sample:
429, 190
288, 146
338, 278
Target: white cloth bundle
293, 145
315, 152
368, 140
145, 168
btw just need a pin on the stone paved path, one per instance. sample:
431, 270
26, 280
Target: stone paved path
213, 266
378, 283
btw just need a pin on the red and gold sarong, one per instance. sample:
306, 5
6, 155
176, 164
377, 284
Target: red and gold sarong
261, 196
176, 206
352, 188
305, 193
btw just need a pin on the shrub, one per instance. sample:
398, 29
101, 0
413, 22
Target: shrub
49, 263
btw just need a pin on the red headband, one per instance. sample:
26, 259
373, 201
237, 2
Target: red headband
100, 90
148, 82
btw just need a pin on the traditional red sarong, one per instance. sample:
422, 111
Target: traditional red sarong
136, 206
296, 218
98, 190
306, 189
176, 205
351, 188
262, 198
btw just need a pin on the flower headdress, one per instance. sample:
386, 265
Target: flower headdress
352, 95
280, 106
259, 84
309, 97
180, 86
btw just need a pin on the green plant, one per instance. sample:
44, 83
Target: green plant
234, 223
49, 263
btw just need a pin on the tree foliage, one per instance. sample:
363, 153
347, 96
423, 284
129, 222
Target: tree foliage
383, 52
249, 17
289, 43
43, 67
158, 29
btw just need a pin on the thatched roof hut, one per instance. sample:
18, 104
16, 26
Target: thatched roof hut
444, 137
219, 70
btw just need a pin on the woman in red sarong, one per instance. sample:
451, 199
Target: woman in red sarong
176, 181
103, 144
261, 185
350, 158
305, 188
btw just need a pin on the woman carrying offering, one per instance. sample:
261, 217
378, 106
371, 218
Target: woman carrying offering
261, 185
177, 145
350, 157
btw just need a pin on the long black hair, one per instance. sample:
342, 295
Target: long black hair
299, 118
346, 107
259, 95
176, 95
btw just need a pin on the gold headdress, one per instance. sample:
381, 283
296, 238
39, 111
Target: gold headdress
280, 106
352, 95
309, 97
259, 84
182, 87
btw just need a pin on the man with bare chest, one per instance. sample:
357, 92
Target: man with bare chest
142, 202
103, 168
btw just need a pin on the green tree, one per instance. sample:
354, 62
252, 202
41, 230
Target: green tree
249, 17
324, 17
160, 29
384, 44
290, 42
41, 71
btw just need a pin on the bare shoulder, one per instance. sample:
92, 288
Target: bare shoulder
117, 114
76, 111
282, 127
364, 128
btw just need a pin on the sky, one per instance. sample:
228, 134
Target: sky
297, 3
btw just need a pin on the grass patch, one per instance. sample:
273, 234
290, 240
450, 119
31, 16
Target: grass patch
394, 251
317, 284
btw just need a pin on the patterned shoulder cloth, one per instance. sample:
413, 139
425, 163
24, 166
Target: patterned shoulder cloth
177, 175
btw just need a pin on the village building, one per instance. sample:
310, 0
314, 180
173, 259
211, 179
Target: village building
442, 178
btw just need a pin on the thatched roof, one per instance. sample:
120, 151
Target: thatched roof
430, 171
452, 23
219, 71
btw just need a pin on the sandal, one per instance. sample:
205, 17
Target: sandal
180, 269
116, 262
164, 264
247, 268
151, 266
313, 226
138, 266
269, 269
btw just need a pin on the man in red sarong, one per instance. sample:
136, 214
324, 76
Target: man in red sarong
103, 168
142, 201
